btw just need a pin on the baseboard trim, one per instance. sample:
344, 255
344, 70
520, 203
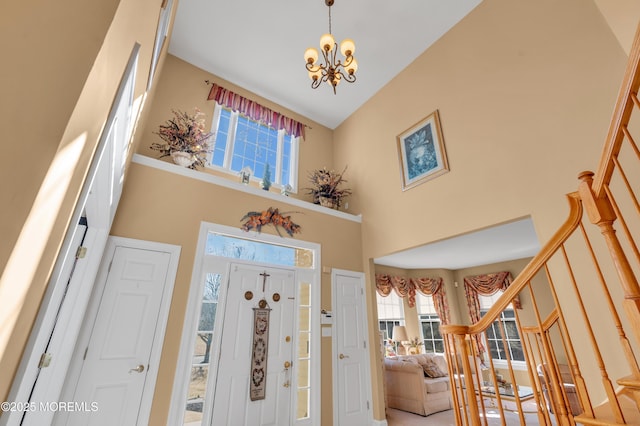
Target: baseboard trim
379, 422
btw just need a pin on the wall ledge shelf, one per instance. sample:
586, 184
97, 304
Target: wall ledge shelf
226, 183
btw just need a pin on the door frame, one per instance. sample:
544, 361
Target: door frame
159, 334
97, 202
183, 366
367, 392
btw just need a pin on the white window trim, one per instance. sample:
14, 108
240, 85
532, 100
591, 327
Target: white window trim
502, 364
228, 155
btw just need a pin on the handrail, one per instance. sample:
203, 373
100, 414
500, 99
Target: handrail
532, 268
568, 274
621, 114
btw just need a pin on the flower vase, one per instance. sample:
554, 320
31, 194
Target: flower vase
184, 159
328, 202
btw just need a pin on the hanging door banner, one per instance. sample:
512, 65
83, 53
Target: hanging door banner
258, 382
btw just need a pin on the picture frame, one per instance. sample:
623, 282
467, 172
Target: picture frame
421, 152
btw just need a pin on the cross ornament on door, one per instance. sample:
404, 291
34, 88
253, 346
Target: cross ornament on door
264, 276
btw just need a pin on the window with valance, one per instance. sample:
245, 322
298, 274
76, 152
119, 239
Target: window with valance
484, 286
248, 134
407, 287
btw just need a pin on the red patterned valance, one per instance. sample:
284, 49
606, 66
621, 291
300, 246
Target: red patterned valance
485, 285
404, 287
255, 111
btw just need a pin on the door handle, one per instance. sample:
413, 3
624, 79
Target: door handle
343, 356
138, 369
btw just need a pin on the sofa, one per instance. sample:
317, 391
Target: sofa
417, 383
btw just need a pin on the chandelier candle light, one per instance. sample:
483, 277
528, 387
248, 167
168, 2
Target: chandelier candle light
333, 70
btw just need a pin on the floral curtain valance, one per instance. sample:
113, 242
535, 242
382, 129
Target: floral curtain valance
489, 284
404, 287
485, 285
255, 111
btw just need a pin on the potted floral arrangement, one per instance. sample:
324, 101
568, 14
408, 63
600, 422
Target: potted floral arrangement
414, 345
326, 187
184, 139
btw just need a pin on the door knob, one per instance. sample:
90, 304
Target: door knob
343, 356
138, 369
287, 364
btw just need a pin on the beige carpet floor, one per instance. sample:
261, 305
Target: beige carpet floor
446, 418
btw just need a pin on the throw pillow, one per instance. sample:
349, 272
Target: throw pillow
432, 370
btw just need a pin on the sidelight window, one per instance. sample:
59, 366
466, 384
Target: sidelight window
202, 351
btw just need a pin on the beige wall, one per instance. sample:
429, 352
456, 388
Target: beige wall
183, 87
153, 199
524, 90
160, 206
622, 17
66, 61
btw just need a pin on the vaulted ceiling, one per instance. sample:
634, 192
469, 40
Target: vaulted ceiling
260, 45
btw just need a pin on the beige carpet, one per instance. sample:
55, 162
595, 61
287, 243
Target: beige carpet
446, 418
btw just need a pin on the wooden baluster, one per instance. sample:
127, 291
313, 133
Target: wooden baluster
601, 214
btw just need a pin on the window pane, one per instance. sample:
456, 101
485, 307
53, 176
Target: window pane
426, 330
195, 396
286, 161
202, 348
511, 330
212, 288
238, 248
220, 143
516, 351
302, 411
491, 333
207, 317
303, 345
439, 346
305, 319
436, 331
254, 145
305, 294
303, 373
493, 349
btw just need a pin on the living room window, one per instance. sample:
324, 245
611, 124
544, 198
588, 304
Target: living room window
390, 313
241, 142
507, 322
430, 324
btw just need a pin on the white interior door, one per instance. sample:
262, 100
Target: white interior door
232, 405
351, 362
115, 362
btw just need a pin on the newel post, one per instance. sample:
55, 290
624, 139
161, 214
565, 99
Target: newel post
462, 342
601, 213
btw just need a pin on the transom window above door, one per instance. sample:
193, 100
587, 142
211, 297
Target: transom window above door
241, 142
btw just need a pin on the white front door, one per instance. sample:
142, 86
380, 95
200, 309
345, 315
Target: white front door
351, 363
232, 405
115, 363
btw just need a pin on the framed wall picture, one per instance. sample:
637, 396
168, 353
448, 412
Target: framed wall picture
421, 152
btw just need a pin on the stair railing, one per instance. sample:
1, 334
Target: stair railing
580, 301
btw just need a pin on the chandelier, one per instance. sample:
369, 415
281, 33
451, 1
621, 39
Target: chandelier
333, 70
